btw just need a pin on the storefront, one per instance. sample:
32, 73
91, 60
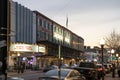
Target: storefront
26, 53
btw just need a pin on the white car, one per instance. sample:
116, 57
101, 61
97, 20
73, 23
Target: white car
65, 74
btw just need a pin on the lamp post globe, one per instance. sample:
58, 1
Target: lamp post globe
117, 56
102, 41
112, 51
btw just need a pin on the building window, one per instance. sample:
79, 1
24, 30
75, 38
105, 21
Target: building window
40, 22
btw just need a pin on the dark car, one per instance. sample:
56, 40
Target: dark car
88, 69
50, 68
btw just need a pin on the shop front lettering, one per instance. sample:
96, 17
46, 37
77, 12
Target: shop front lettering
23, 48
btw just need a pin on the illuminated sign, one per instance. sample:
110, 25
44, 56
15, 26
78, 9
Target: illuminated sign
24, 48
41, 49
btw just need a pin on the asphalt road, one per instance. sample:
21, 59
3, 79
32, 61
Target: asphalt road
33, 75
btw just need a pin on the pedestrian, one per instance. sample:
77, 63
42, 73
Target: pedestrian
118, 70
22, 67
18, 66
113, 70
70, 64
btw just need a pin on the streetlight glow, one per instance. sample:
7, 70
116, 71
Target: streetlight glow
102, 41
112, 51
117, 55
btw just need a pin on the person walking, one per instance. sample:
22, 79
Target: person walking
19, 67
113, 70
22, 67
118, 70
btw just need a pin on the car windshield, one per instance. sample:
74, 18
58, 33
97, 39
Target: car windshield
55, 73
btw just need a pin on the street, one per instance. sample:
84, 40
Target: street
109, 77
33, 75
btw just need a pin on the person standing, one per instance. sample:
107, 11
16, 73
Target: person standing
113, 70
18, 66
22, 67
118, 70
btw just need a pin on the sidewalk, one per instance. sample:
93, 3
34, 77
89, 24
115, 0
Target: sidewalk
109, 76
25, 72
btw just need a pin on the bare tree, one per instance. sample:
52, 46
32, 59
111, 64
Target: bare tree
113, 40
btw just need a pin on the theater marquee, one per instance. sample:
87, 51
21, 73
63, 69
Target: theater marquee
24, 48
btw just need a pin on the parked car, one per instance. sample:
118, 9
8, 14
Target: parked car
50, 68
65, 74
88, 69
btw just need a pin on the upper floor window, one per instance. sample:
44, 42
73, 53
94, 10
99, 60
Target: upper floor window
40, 22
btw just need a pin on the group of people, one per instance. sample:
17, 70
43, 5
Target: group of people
20, 66
114, 69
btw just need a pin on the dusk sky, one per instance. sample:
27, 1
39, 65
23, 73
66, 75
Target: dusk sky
90, 19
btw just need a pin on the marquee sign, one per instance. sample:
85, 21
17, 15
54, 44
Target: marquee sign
24, 48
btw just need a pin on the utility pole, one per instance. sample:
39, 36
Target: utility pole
59, 62
4, 21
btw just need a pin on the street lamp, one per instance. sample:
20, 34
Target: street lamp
117, 59
112, 52
102, 42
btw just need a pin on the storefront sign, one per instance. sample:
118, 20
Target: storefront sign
41, 49
24, 48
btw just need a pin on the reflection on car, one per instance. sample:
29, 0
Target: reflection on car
73, 65
14, 78
64, 66
50, 68
65, 74
47, 78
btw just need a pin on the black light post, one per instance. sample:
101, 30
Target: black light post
102, 42
117, 59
